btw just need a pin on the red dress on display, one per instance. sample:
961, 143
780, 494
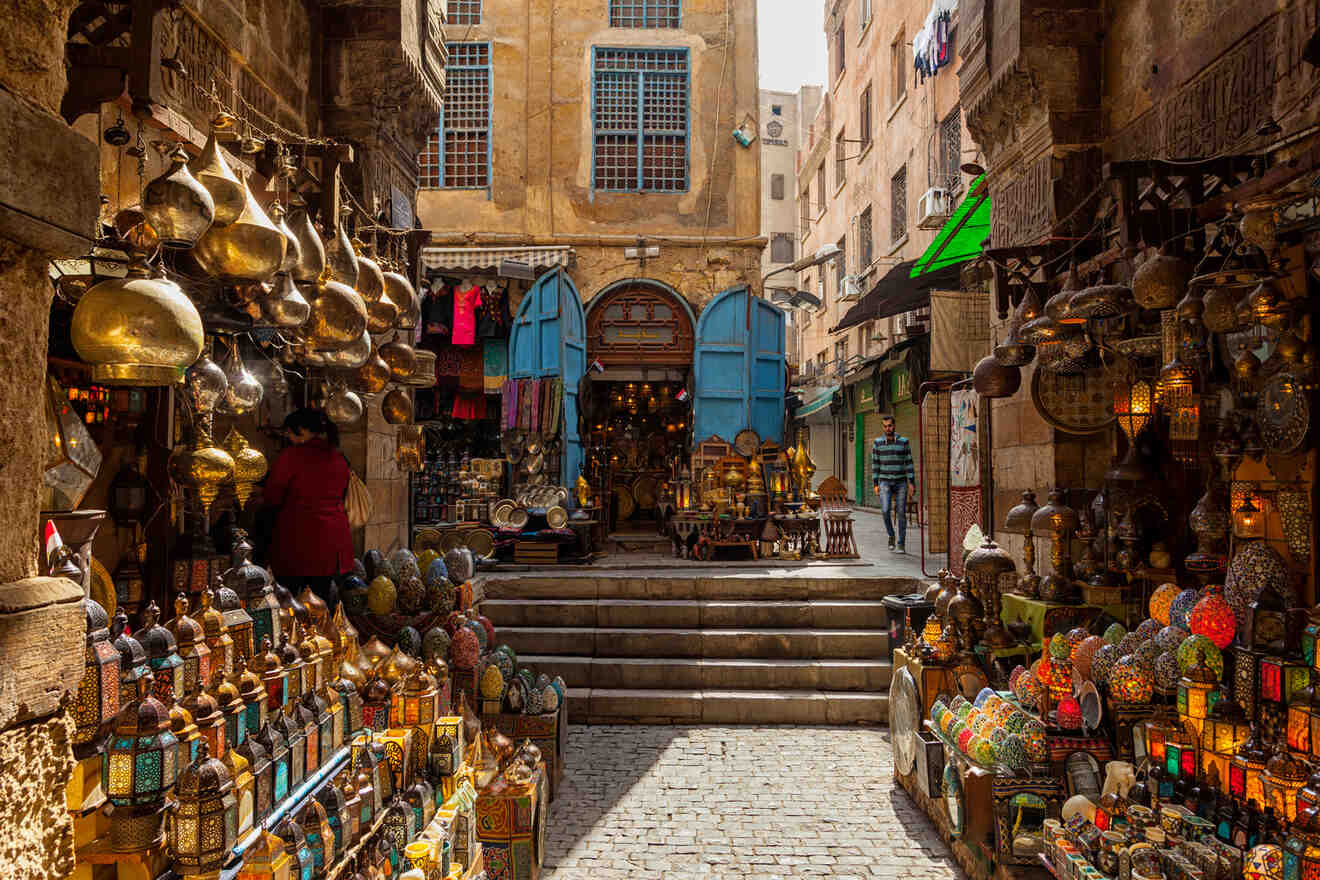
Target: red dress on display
465, 315
312, 534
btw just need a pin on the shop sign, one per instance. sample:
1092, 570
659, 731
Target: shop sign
900, 384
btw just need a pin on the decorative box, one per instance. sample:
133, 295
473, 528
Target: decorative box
549, 732
1021, 807
930, 763
510, 823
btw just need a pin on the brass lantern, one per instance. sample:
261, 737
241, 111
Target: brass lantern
162, 654
311, 250
1248, 520
376, 705
203, 466
178, 207
346, 782
1284, 777
1247, 768
265, 611
249, 465
225, 692
295, 735
238, 622
265, 859
337, 317
1018, 521
272, 740
190, 641
253, 693
133, 665
1059, 521
335, 804
251, 248
396, 407
263, 777
97, 701
401, 293
138, 771
1224, 731
1133, 406
1298, 726
218, 639
210, 721
72, 458
316, 826
245, 794
273, 677
986, 567
295, 844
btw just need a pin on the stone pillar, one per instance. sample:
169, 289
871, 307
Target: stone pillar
48, 208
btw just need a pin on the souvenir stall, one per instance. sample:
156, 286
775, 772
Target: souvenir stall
1134, 694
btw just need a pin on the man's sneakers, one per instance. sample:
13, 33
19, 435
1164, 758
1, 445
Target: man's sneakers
901, 550
891, 542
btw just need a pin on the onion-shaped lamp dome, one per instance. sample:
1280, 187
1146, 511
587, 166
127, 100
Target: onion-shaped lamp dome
311, 250
176, 204
401, 358
251, 248
228, 195
397, 407
992, 379
340, 258
351, 356
249, 464
292, 249
338, 317
401, 293
371, 280
1161, 281
137, 330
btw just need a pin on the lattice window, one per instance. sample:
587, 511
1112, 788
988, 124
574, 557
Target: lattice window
840, 160
898, 205
899, 64
645, 13
464, 12
457, 155
781, 248
804, 210
864, 117
865, 242
841, 264
951, 152
640, 117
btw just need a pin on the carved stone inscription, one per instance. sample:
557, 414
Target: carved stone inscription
1023, 208
206, 61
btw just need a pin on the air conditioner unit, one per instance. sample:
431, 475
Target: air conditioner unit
933, 208
849, 289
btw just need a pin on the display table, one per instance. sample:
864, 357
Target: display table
798, 535
701, 535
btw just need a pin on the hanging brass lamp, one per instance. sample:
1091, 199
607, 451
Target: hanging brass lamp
343, 407
292, 248
243, 392
249, 249
137, 330
338, 317
401, 293
202, 467
311, 250
176, 204
374, 375
397, 407
340, 257
401, 358
1161, 281
351, 356
382, 313
227, 192
371, 280
204, 384
249, 465
286, 307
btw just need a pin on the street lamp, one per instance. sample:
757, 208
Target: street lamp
823, 255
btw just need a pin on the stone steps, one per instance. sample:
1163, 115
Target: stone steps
729, 648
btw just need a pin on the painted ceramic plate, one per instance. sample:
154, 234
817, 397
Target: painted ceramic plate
904, 716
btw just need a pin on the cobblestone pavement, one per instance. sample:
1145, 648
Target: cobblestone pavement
724, 802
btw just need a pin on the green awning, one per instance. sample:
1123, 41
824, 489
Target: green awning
959, 240
819, 402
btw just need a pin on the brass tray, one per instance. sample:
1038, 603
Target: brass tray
499, 513
1075, 404
624, 499
102, 587
427, 539
451, 541
518, 518
643, 490
481, 542
556, 517
746, 442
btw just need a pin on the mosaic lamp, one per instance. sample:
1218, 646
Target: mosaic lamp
204, 826
167, 666
1247, 768
1198, 691
265, 859
1298, 726
1263, 862
1284, 777
1213, 617
1224, 731
97, 700
1281, 677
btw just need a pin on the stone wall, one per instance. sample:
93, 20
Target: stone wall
369, 446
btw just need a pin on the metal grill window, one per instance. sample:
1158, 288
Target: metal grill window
645, 13
898, 204
864, 117
640, 117
840, 160
457, 155
951, 151
865, 245
464, 12
841, 264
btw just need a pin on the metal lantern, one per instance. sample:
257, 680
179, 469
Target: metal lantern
209, 719
1298, 726
190, 641
351, 702
253, 694
301, 866
162, 654
1283, 778
97, 701
316, 720
294, 667
204, 827
1301, 848
1246, 770
1018, 521
232, 708
263, 777
237, 622
218, 640
346, 782
265, 612
273, 677
376, 705
1224, 731
133, 666
1282, 677
139, 765
245, 794
1198, 691
446, 752
316, 826
335, 804
1248, 519
398, 828
265, 859
986, 567
1057, 520
1133, 406
295, 736
72, 457
130, 494
272, 740
185, 731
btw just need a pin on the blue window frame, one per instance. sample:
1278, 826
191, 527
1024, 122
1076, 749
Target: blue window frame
457, 155
639, 110
646, 13
464, 12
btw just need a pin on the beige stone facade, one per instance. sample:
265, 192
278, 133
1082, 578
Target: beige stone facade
784, 120
541, 187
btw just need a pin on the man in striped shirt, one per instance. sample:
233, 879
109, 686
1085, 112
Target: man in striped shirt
893, 477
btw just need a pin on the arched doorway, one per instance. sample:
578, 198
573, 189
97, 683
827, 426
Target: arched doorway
636, 404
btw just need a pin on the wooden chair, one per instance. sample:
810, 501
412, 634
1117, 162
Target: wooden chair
836, 519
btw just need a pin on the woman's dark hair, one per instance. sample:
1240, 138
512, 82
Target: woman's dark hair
314, 420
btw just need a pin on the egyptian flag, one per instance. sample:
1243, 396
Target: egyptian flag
53, 540
596, 366
682, 395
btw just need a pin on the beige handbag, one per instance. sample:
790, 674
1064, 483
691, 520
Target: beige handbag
357, 501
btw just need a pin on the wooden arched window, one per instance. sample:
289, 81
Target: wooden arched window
639, 325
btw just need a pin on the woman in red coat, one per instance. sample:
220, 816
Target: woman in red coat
313, 543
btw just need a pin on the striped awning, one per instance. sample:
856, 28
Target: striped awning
442, 258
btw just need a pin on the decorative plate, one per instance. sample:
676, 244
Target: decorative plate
556, 517
499, 514
624, 499
746, 442
534, 462
102, 587
512, 446
952, 791
644, 491
1284, 414
427, 539
1075, 404
904, 716
518, 518
451, 541
1141, 346
480, 542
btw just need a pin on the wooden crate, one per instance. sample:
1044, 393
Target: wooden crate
535, 553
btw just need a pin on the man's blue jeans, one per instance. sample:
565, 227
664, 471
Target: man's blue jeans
893, 494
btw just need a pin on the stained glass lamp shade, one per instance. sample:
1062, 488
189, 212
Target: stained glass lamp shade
1246, 770
1198, 691
72, 458
140, 759
1301, 849
265, 859
1284, 777
97, 700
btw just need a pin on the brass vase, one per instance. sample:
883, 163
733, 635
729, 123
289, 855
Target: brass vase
137, 330
338, 317
311, 250
340, 257
401, 358
176, 204
401, 293
249, 465
228, 193
204, 384
249, 249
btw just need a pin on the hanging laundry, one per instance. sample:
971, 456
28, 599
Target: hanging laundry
931, 46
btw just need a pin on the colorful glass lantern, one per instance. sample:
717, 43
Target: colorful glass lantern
1263, 862
376, 705
1301, 848
1280, 678
265, 859
294, 666
1298, 726
352, 706
1130, 682
1111, 808
1247, 768
1309, 797
301, 865
238, 623
273, 677
384, 857
1266, 629
1224, 730
209, 719
316, 826
140, 762
295, 736
332, 799
398, 828
218, 640
421, 797
133, 665
316, 707
1248, 519
1180, 758
97, 701
1284, 777
185, 732
245, 791
1156, 731
263, 777
232, 709
162, 654
346, 782
265, 613
446, 753
1213, 617
367, 796
1198, 691
190, 641
272, 740
205, 825
253, 693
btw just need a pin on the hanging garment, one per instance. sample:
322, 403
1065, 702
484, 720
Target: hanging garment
470, 370
496, 364
470, 406
508, 404
537, 401
465, 315
448, 361
493, 320
525, 404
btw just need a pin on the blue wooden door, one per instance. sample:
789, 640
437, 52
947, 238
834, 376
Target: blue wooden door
739, 368
549, 341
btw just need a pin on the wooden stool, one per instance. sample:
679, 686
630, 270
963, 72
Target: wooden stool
836, 516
